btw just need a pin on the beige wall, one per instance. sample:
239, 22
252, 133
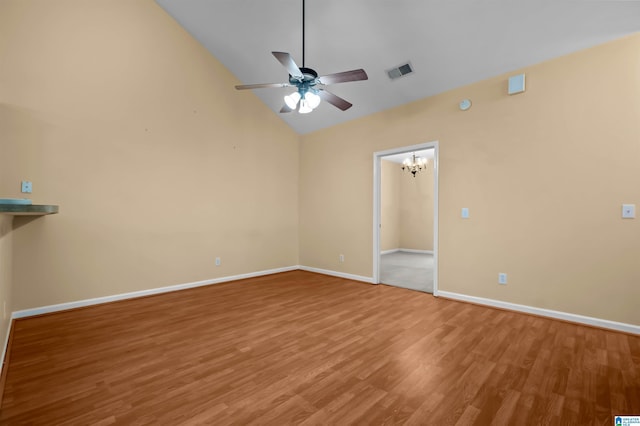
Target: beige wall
158, 164
544, 174
416, 210
6, 258
389, 205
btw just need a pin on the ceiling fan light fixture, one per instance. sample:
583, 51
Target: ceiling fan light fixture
313, 100
292, 100
305, 108
308, 96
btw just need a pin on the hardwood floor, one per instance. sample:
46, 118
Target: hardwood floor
303, 348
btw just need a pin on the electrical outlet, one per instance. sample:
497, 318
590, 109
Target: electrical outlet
341, 258
26, 187
502, 278
218, 261
628, 211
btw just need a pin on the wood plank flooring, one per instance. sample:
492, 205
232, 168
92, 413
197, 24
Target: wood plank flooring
308, 349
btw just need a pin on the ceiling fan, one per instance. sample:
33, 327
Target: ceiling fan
310, 87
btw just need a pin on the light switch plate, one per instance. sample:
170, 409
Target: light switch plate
465, 212
629, 211
26, 187
516, 84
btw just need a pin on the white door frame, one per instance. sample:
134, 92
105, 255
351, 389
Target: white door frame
377, 188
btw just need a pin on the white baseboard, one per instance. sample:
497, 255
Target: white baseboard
106, 299
389, 251
580, 319
337, 274
406, 251
416, 251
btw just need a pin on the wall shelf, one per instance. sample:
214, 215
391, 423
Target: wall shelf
28, 210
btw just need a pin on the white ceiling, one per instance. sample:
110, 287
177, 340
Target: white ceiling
450, 43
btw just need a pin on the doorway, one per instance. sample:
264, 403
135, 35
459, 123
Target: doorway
405, 225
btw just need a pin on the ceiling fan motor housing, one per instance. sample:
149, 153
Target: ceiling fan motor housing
309, 79
308, 76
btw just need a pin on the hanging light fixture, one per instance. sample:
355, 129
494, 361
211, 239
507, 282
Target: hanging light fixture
313, 99
414, 164
309, 87
292, 100
306, 95
308, 100
305, 108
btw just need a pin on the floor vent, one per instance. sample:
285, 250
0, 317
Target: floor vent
400, 71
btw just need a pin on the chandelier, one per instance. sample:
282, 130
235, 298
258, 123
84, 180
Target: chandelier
414, 164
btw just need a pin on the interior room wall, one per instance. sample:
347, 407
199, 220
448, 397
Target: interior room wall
6, 258
389, 205
158, 164
416, 209
543, 173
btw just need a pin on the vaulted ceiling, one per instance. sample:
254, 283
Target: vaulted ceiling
449, 43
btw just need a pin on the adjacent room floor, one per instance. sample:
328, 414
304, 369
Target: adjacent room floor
407, 270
